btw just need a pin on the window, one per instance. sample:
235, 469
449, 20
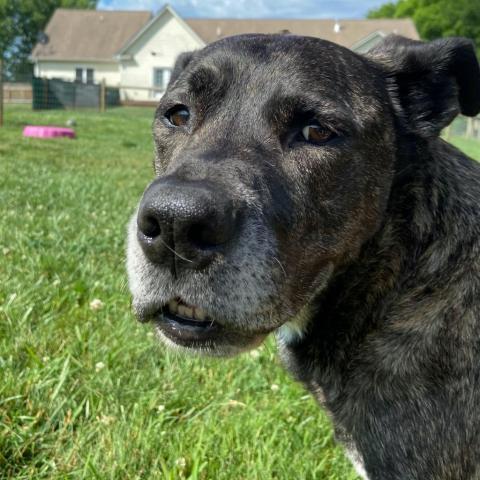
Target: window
89, 75
161, 77
84, 75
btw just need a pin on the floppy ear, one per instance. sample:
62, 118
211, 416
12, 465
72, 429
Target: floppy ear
180, 64
430, 83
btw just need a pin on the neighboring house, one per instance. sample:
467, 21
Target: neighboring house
136, 52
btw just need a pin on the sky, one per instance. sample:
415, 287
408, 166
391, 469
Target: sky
252, 8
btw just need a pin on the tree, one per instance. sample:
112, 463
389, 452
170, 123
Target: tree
21, 21
437, 18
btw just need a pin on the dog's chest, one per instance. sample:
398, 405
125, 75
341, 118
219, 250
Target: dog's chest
351, 450
357, 461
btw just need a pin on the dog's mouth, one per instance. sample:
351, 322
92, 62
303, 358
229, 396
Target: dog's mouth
191, 327
180, 312
186, 325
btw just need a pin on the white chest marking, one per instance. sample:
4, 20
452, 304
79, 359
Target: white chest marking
357, 461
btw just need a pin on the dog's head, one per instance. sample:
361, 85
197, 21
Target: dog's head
274, 160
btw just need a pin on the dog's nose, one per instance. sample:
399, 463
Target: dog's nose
185, 224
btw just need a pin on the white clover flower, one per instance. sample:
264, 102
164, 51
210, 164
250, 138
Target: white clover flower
106, 419
96, 304
181, 463
99, 366
235, 403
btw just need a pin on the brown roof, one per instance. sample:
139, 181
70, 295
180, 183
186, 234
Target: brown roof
351, 31
89, 34
100, 34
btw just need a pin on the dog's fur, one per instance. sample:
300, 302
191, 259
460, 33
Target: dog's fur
363, 254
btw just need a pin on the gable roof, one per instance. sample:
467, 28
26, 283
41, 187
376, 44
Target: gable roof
89, 34
101, 35
166, 9
347, 34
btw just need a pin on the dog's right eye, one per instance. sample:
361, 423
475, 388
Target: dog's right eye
317, 134
178, 116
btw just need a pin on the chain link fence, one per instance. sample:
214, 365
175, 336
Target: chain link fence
55, 93
464, 127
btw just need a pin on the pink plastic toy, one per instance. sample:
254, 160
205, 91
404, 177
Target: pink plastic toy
40, 131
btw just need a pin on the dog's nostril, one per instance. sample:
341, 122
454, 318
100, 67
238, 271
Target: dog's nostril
149, 226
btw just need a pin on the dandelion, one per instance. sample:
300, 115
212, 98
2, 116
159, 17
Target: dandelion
160, 408
96, 304
274, 387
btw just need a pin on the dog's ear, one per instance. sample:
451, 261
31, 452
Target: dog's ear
180, 64
430, 83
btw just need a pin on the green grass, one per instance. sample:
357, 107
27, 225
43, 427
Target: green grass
468, 145
89, 393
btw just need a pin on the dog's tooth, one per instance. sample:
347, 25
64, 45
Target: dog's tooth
199, 314
188, 312
173, 306
181, 310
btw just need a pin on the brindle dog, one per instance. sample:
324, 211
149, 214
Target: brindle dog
303, 189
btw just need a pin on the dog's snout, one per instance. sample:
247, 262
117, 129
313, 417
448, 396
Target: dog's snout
185, 225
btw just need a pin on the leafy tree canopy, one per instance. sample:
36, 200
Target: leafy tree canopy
20, 23
437, 18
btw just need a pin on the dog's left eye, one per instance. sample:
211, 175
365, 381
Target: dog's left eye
317, 134
178, 116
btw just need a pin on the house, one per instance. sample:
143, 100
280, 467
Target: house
136, 51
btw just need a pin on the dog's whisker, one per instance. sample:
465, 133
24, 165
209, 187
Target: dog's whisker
281, 266
174, 252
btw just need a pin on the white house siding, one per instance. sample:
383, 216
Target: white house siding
110, 72
158, 47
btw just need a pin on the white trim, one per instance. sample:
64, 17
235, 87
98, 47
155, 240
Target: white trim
356, 46
165, 9
73, 60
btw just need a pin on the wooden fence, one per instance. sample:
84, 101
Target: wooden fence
17, 93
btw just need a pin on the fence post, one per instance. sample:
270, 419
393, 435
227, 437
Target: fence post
102, 95
45, 93
1, 90
469, 131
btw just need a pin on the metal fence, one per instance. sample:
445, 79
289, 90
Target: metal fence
56, 93
464, 127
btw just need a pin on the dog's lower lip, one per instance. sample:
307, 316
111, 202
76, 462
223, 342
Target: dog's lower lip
188, 332
166, 315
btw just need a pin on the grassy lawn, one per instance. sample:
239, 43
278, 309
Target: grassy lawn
470, 146
85, 392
